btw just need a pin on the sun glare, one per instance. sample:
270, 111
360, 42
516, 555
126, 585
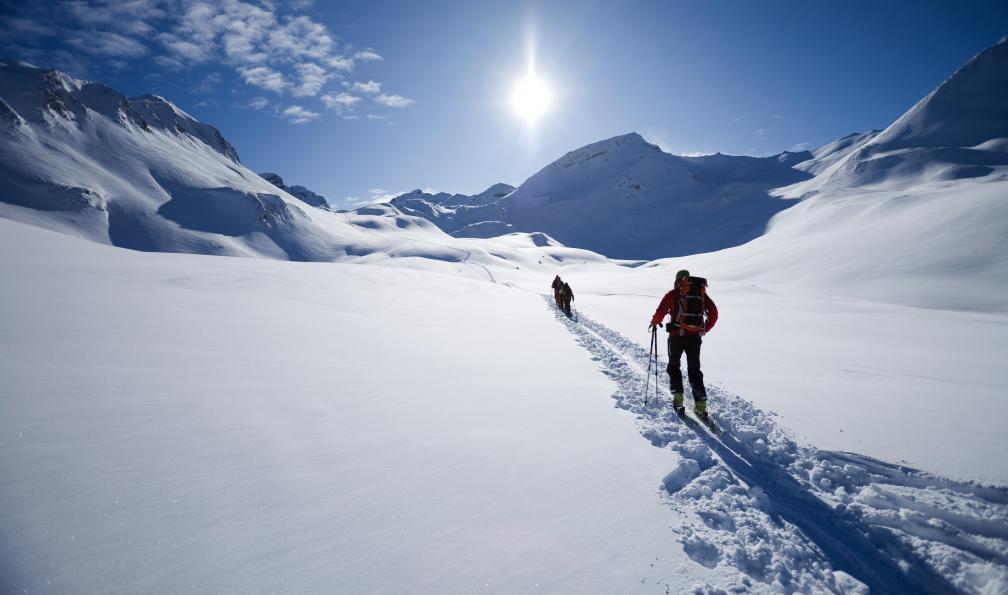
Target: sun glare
530, 98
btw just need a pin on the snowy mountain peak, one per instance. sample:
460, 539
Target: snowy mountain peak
967, 109
493, 193
625, 145
162, 114
54, 98
958, 131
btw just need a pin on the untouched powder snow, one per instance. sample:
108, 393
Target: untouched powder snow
177, 423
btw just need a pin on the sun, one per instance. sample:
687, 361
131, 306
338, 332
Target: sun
531, 98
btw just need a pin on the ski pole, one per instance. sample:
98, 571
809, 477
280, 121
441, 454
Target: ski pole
654, 334
647, 382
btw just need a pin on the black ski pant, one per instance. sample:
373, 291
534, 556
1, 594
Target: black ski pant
677, 344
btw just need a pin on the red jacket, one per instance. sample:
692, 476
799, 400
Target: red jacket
672, 298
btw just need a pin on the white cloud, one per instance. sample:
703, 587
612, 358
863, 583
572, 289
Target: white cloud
799, 147
270, 44
184, 49
301, 37
169, 63
760, 132
776, 117
109, 44
374, 117
394, 100
265, 78
383, 195
371, 86
299, 115
313, 77
367, 55
341, 63
340, 101
256, 103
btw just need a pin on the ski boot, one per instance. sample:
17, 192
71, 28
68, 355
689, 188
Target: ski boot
700, 409
677, 404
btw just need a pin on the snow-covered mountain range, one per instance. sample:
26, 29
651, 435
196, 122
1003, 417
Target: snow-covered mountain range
81, 158
626, 198
141, 173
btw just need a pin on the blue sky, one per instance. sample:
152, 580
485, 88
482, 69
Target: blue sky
356, 100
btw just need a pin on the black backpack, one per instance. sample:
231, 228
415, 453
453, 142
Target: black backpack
689, 311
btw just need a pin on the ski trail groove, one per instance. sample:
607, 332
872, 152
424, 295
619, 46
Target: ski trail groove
796, 519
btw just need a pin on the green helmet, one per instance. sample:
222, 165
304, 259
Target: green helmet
681, 274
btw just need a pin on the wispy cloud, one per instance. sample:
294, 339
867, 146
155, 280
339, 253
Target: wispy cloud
760, 132
375, 117
367, 56
299, 115
269, 44
383, 195
265, 78
109, 44
799, 147
776, 117
394, 100
313, 77
374, 195
369, 87
257, 103
340, 101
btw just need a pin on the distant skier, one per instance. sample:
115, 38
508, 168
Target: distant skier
693, 314
566, 295
557, 285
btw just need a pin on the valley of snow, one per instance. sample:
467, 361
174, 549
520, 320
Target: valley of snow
181, 422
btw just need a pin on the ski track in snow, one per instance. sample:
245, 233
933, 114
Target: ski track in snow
792, 518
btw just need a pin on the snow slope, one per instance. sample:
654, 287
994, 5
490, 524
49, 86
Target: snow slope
180, 422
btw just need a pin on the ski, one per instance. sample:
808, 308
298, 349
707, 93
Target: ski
694, 419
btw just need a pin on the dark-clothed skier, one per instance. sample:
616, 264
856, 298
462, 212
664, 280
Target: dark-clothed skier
566, 295
693, 314
557, 285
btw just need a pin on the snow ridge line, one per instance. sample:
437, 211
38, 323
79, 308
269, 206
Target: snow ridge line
793, 518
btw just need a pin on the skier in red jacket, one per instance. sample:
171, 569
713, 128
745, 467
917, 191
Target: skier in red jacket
693, 314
